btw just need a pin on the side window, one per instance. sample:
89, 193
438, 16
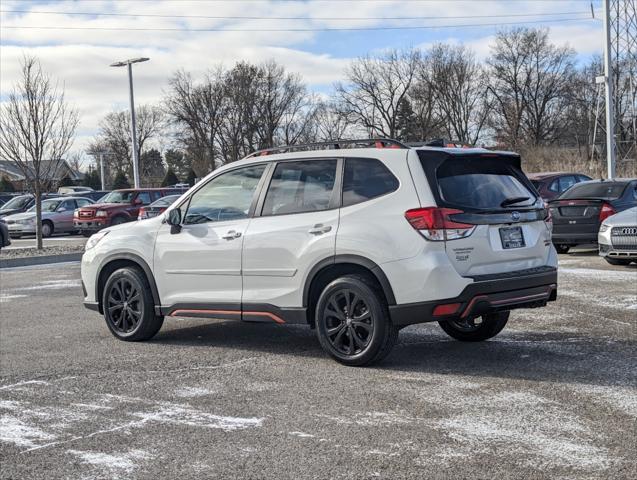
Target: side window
366, 179
68, 205
155, 195
635, 193
582, 178
82, 202
567, 182
297, 187
144, 197
226, 197
554, 186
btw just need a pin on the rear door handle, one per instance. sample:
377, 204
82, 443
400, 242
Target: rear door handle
320, 229
231, 235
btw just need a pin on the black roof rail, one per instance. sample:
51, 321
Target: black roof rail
332, 145
439, 142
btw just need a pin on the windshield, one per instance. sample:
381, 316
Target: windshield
602, 190
47, 206
123, 196
16, 203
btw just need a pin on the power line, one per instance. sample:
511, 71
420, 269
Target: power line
317, 29
241, 17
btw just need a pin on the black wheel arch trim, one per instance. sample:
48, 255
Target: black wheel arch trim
356, 260
139, 261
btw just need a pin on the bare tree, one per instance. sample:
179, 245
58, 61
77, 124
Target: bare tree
114, 135
459, 86
196, 110
329, 123
37, 128
531, 81
375, 88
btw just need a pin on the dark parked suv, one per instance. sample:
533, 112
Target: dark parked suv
579, 212
117, 207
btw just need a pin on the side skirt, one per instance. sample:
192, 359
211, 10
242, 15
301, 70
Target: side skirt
247, 312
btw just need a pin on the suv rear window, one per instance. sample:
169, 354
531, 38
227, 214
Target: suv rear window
482, 183
608, 191
366, 178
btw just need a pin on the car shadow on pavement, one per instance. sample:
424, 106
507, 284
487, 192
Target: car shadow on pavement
525, 355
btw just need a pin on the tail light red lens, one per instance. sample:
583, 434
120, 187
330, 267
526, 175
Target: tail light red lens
434, 223
606, 211
142, 214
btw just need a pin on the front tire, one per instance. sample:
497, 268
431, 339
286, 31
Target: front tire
353, 322
476, 329
129, 309
118, 221
562, 248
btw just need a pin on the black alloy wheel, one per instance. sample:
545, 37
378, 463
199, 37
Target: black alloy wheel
349, 322
128, 305
353, 322
124, 306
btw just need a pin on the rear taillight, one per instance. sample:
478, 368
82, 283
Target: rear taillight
434, 223
606, 211
548, 217
142, 214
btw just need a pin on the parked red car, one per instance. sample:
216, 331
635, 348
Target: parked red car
117, 207
552, 184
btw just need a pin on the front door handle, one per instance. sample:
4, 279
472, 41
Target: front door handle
320, 229
231, 235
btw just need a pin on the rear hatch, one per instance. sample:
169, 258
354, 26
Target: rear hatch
500, 208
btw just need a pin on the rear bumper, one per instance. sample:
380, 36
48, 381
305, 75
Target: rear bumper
573, 238
524, 289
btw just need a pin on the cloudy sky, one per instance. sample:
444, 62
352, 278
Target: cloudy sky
77, 40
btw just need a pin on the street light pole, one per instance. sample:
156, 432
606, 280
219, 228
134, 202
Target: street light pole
129, 64
610, 114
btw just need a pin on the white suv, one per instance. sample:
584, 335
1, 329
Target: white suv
357, 239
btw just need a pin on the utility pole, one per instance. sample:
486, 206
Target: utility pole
129, 63
608, 83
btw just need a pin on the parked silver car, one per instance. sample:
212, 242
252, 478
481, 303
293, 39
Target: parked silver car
57, 216
617, 238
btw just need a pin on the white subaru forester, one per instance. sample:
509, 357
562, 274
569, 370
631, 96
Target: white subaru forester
357, 239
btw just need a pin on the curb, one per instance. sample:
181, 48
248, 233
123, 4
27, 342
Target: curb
40, 260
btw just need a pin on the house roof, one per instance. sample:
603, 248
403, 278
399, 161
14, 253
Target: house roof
50, 170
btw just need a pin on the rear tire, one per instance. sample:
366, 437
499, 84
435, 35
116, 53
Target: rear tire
617, 261
471, 331
562, 248
129, 309
353, 322
118, 220
86, 234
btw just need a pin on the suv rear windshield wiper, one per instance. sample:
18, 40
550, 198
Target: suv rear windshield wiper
513, 200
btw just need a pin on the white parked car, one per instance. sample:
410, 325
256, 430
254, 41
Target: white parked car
355, 242
617, 238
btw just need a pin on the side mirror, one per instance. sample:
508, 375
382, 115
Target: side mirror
61, 209
174, 220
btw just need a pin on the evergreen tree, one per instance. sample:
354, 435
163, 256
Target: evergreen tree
93, 180
6, 185
151, 165
66, 182
406, 122
120, 181
177, 162
170, 179
192, 177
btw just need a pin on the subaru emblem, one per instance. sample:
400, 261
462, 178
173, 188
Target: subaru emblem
515, 216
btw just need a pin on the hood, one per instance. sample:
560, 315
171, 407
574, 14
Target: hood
626, 218
20, 216
6, 213
105, 206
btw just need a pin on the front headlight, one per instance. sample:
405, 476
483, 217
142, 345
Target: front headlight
26, 221
101, 213
95, 239
603, 228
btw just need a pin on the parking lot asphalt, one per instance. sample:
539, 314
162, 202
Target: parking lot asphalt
553, 396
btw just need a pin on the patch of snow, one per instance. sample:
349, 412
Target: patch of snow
18, 385
185, 415
619, 302
6, 297
50, 285
125, 462
12, 430
600, 275
302, 434
190, 392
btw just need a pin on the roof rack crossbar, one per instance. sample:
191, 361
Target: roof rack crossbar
332, 145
